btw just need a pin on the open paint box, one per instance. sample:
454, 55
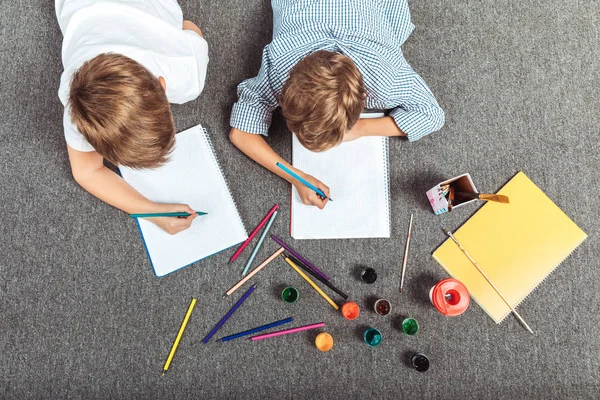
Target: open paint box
440, 201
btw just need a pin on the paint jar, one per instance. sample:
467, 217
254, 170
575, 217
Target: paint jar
324, 341
368, 275
382, 307
410, 326
450, 297
350, 310
372, 337
290, 294
420, 362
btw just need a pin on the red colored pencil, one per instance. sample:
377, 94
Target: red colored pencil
254, 232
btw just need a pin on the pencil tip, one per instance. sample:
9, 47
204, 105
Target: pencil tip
163, 374
225, 295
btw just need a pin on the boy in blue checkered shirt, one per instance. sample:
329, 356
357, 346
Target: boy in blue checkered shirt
329, 60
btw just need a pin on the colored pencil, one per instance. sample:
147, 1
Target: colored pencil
258, 329
406, 252
167, 214
488, 279
303, 181
179, 335
260, 241
320, 279
287, 331
299, 257
229, 313
254, 232
254, 272
311, 283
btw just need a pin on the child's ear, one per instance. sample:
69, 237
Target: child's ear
163, 83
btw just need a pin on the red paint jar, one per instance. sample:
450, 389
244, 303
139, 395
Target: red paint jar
450, 297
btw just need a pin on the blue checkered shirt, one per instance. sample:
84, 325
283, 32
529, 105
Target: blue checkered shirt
370, 33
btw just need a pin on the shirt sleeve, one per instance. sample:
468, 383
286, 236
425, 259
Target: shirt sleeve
73, 137
420, 114
257, 100
200, 50
183, 71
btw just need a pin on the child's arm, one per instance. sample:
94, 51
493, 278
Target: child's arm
89, 171
384, 126
190, 26
255, 147
418, 115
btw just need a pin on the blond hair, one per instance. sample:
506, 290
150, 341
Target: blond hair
322, 99
122, 111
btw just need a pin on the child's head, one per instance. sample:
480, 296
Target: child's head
322, 99
122, 111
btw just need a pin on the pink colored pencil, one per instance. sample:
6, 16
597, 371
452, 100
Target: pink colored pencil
254, 232
286, 331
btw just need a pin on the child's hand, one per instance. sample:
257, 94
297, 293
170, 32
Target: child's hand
309, 196
173, 225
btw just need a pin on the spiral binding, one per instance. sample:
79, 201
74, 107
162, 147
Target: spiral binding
386, 152
212, 150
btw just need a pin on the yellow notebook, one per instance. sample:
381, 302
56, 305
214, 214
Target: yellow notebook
517, 245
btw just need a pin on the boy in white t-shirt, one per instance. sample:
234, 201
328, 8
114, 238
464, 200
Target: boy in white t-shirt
124, 62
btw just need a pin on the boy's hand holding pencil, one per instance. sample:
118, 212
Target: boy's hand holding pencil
311, 190
172, 225
308, 195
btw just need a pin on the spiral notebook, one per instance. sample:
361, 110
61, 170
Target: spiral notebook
357, 174
517, 245
192, 176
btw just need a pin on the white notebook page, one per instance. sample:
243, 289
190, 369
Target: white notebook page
357, 174
192, 176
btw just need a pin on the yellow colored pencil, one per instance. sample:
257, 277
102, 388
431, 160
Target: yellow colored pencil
181, 329
307, 279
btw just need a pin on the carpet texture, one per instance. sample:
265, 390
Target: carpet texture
83, 316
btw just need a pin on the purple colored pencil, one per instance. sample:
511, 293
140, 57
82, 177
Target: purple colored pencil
299, 257
229, 313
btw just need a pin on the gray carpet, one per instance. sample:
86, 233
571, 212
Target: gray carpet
83, 316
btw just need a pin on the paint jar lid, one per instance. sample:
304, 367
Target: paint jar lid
410, 326
450, 297
382, 307
290, 294
372, 337
350, 310
420, 362
368, 275
324, 341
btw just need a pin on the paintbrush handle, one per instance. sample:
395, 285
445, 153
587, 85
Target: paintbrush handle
483, 196
493, 197
489, 281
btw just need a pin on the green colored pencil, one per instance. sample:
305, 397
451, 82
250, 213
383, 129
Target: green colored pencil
168, 214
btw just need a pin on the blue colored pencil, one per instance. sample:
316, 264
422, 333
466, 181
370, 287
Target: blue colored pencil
260, 328
260, 241
229, 313
302, 180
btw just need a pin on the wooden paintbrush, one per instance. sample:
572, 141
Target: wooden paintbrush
483, 196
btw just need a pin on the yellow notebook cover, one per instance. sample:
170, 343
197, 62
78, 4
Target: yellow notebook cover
517, 245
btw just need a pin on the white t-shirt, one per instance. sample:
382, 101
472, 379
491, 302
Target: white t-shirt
147, 31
